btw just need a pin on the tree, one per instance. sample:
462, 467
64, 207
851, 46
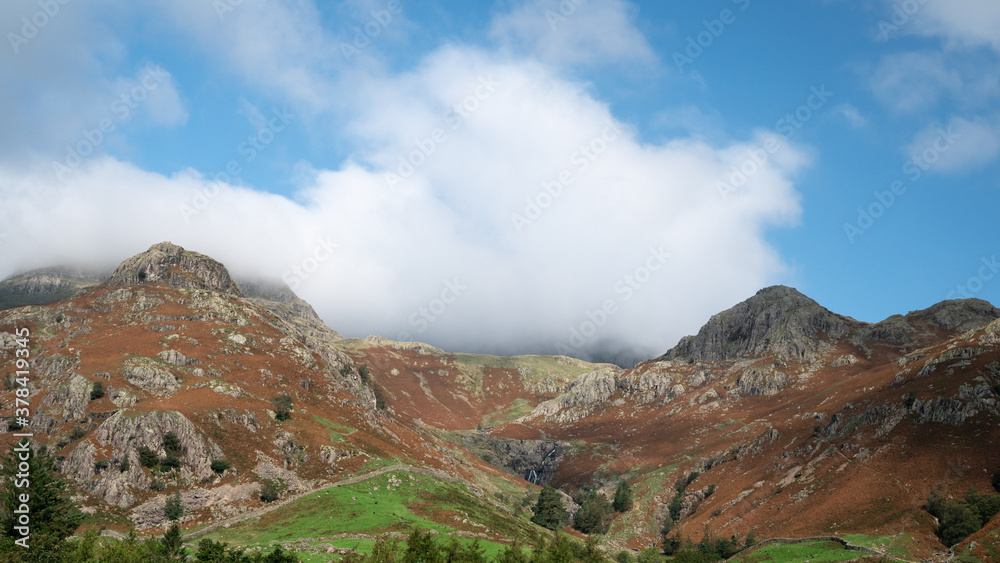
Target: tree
268, 492
53, 515
623, 497
148, 457
594, 516
172, 444
220, 465
174, 509
421, 548
97, 391
171, 546
549, 510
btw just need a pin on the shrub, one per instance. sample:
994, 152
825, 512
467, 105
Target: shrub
76, 433
379, 396
364, 374
692, 476
268, 493
173, 509
910, 399
623, 497
148, 457
101, 465
97, 391
675, 507
594, 516
170, 462
124, 465
220, 465
282, 407
157, 485
624, 557
172, 444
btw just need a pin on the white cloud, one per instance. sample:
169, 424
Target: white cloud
959, 146
964, 22
485, 133
572, 32
852, 115
452, 218
913, 82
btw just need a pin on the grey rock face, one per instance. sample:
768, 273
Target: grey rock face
179, 268
777, 319
756, 381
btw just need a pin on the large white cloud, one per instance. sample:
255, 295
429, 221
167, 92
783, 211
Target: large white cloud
450, 206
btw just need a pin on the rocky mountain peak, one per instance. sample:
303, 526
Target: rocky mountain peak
179, 268
777, 320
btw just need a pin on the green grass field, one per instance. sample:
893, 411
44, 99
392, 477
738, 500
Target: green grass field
796, 553
394, 502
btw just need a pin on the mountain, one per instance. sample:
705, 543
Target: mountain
779, 418
46, 285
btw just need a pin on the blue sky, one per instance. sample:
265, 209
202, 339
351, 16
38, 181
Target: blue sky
319, 142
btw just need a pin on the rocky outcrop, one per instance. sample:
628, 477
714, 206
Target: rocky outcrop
588, 390
535, 461
149, 376
777, 320
758, 381
178, 268
68, 401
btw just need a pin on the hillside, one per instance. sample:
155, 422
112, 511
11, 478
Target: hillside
779, 418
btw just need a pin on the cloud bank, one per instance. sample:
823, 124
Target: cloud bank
491, 205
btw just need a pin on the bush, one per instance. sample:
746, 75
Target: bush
364, 374
594, 516
170, 462
692, 476
268, 493
959, 520
76, 433
379, 396
172, 445
623, 497
675, 507
282, 407
174, 509
157, 485
624, 557
101, 465
124, 465
147, 457
220, 465
97, 391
